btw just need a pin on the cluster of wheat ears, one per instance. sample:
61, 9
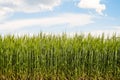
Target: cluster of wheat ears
51, 57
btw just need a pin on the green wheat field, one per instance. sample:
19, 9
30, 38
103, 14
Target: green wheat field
59, 57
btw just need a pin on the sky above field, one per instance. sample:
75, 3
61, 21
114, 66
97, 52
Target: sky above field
57, 16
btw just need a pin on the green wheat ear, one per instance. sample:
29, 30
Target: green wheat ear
59, 57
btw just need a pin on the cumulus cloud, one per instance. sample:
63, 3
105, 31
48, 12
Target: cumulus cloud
96, 33
4, 11
110, 32
28, 6
92, 4
67, 18
117, 27
107, 33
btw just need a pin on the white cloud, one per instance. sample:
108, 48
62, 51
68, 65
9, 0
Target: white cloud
96, 33
92, 4
67, 18
28, 6
115, 30
117, 27
107, 33
4, 11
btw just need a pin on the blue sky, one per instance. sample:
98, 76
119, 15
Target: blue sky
57, 16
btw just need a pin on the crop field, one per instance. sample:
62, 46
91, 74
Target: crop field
59, 57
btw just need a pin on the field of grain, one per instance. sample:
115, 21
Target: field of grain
54, 57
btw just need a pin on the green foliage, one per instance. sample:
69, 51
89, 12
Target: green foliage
50, 57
